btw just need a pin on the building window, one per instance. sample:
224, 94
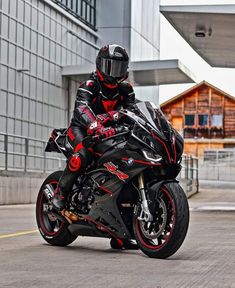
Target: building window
216, 120
203, 120
189, 120
84, 10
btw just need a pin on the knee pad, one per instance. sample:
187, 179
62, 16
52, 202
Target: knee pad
74, 163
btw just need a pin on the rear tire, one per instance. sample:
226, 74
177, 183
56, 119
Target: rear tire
55, 232
172, 225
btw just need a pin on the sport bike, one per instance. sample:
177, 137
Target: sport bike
130, 189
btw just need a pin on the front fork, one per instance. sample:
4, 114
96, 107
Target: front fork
144, 213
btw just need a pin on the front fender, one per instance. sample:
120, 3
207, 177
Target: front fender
153, 192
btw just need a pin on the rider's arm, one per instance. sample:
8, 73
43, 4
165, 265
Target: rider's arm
83, 114
128, 93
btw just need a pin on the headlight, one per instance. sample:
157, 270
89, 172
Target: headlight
151, 156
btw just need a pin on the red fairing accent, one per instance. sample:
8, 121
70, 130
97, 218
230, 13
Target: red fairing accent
70, 134
78, 147
143, 162
109, 105
101, 227
97, 154
53, 134
89, 83
113, 169
105, 189
164, 144
74, 163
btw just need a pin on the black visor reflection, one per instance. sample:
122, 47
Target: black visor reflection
114, 68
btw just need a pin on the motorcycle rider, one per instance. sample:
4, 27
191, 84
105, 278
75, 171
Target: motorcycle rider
96, 107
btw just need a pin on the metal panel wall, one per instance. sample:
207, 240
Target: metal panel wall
145, 40
35, 43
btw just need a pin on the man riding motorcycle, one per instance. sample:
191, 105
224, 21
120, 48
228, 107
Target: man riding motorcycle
97, 103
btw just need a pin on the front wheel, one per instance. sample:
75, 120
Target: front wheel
54, 231
163, 236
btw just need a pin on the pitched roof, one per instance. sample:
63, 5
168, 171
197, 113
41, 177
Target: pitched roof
181, 95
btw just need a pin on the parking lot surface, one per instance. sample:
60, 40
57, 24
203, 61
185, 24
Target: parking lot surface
206, 258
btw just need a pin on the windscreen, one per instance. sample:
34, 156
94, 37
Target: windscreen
155, 117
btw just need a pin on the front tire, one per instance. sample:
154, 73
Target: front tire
54, 231
164, 236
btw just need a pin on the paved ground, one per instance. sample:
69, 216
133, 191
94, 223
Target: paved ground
206, 259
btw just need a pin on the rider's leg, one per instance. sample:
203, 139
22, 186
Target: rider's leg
77, 163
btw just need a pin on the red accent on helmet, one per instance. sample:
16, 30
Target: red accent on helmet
109, 105
74, 163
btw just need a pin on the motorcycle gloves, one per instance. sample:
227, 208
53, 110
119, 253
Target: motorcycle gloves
110, 117
97, 129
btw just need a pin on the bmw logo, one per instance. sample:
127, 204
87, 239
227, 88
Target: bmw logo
130, 161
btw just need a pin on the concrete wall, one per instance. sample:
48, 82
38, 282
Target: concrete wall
24, 190
19, 190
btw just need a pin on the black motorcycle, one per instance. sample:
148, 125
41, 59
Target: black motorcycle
130, 190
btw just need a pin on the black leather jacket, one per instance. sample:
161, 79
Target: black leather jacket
94, 98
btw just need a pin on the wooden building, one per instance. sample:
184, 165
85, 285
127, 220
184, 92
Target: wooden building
205, 116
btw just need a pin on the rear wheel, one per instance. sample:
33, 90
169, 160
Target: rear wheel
53, 230
163, 236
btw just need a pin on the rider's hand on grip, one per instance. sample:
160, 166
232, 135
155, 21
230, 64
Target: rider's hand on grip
105, 132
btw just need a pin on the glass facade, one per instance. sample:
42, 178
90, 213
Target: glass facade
84, 10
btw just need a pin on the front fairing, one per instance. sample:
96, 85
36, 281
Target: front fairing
154, 132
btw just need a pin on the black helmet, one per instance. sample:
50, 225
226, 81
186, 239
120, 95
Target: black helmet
111, 64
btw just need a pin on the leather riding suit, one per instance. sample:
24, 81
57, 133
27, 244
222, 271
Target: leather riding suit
93, 102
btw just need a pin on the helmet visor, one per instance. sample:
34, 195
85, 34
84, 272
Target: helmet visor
113, 68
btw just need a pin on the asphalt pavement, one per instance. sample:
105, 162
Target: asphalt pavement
206, 258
